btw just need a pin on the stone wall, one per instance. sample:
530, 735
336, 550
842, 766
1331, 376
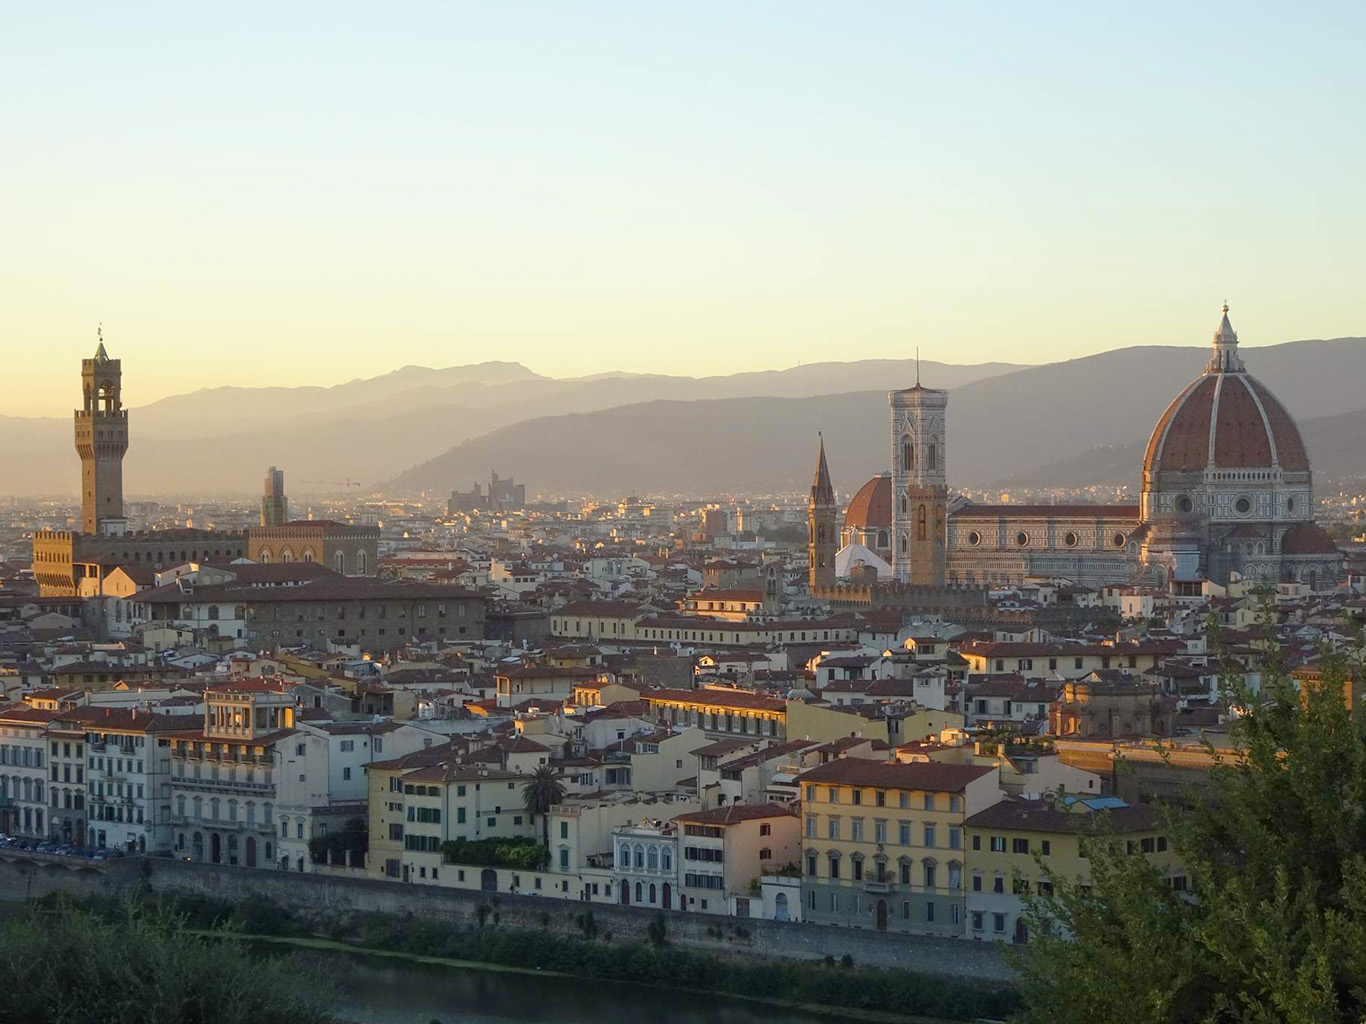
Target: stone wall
324, 897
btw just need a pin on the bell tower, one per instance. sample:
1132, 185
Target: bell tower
919, 484
821, 512
101, 441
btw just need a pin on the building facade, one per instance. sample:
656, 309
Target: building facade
919, 484
101, 442
343, 548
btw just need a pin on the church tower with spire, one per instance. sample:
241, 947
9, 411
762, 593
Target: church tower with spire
920, 491
821, 513
101, 441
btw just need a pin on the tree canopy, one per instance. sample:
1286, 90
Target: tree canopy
1273, 928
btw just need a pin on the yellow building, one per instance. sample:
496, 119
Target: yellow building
419, 801
826, 723
719, 711
1005, 839
883, 843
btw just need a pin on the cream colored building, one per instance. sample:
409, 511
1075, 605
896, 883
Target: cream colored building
884, 843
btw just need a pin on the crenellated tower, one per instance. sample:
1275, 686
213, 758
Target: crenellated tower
101, 442
919, 484
821, 515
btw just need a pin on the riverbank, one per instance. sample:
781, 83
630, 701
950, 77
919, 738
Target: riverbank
332, 946
836, 986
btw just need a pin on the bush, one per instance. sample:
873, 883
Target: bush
354, 838
140, 962
518, 854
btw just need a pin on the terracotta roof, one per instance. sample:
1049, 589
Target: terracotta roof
742, 699
974, 511
1042, 816
858, 771
1307, 539
737, 813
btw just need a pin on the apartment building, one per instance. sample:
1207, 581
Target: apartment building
884, 842
1016, 847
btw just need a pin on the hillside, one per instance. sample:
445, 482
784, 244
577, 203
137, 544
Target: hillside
222, 439
1000, 428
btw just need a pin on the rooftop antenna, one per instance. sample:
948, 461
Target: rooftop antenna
917, 366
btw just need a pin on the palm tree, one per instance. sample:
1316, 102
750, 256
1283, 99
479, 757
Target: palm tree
542, 792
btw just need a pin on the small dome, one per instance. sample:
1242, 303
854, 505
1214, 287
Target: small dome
871, 508
1307, 539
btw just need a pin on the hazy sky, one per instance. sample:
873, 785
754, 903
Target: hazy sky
305, 193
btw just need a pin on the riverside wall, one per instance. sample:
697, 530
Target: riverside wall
324, 897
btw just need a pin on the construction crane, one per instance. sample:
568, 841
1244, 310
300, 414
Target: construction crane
348, 483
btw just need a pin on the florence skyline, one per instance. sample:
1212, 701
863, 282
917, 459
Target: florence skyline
587, 188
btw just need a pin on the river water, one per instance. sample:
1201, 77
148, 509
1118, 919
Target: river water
380, 990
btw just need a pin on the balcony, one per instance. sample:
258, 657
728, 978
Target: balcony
223, 785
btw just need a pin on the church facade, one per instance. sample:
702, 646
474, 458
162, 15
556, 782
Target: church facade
1227, 491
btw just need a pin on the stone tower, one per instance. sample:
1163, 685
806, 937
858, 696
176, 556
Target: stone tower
919, 484
101, 441
274, 504
821, 512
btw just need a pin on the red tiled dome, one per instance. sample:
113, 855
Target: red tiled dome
1225, 421
1307, 539
872, 506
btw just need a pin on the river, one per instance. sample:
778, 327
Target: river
382, 990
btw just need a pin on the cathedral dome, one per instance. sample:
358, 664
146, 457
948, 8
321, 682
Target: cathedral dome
871, 508
1225, 419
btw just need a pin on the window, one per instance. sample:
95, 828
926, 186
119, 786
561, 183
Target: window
765, 830
1047, 847
998, 884
834, 865
858, 869
905, 833
998, 923
998, 844
347, 746
977, 920
976, 883
955, 838
832, 828
931, 873
810, 826
879, 832
1018, 845
929, 835
857, 830
929, 911
346, 774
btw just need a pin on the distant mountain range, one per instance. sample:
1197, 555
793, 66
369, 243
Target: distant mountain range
416, 430
1072, 423
220, 440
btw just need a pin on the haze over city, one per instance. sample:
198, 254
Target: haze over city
562, 512
303, 195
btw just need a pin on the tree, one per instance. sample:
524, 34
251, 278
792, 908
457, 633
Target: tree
542, 792
1274, 927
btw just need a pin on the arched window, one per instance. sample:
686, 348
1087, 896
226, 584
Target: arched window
653, 861
624, 856
640, 893
264, 556
339, 562
666, 859
921, 531
308, 554
213, 611
640, 858
653, 893
903, 543
882, 538
362, 563
286, 555
907, 455
932, 457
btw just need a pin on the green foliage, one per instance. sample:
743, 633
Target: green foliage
518, 854
138, 963
662, 964
657, 930
542, 792
353, 838
1274, 929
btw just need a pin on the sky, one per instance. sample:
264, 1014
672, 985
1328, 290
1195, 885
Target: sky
283, 194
